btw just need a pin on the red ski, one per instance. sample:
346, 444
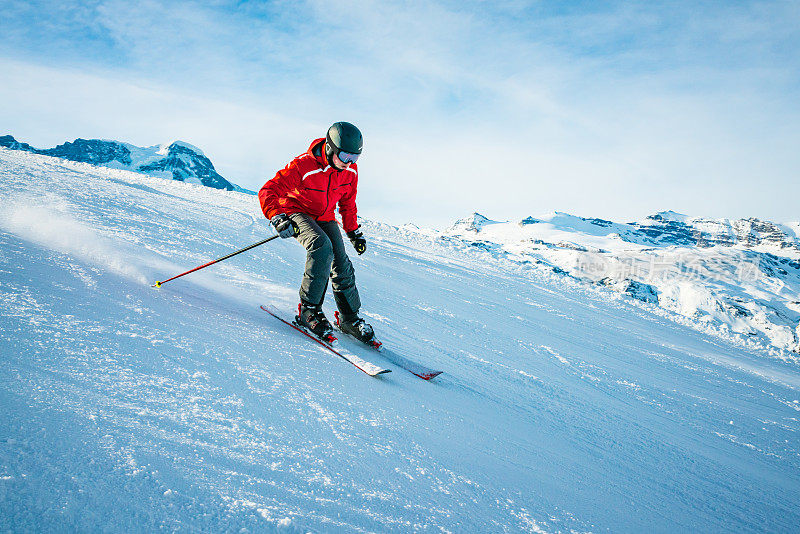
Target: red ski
370, 368
425, 373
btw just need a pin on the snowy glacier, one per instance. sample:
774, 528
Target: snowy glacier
562, 407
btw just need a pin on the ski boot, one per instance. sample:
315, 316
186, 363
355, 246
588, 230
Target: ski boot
356, 326
311, 318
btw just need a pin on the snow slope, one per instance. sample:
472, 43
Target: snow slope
562, 408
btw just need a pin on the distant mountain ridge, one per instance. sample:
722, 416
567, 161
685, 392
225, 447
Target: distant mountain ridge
177, 161
668, 228
732, 275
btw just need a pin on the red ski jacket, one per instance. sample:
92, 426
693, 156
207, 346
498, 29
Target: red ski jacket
310, 185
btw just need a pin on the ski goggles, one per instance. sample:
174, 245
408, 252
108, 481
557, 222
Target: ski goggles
347, 157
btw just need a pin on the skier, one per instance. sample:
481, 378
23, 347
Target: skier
300, 202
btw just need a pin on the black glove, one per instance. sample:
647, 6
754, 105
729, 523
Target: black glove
284, 226
358, 241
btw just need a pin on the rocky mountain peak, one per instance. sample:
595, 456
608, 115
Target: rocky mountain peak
473, 223
8, 141
94, 151
178, 160
187, 162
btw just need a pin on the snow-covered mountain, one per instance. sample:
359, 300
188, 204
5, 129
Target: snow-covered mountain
563, 407
178, 160
740, 276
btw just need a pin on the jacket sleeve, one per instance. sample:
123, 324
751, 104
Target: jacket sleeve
347, 207
272, 195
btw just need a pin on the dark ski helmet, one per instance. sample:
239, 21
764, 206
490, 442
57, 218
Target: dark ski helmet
343, 137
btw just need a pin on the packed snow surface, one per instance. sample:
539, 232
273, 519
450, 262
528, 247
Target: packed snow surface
561, 408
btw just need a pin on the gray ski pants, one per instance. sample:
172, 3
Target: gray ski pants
326, 259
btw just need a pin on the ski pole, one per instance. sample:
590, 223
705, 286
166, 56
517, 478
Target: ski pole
232, 254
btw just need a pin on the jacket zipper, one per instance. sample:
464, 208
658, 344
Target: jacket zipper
327, 196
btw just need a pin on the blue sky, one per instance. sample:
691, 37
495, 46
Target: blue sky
513, 108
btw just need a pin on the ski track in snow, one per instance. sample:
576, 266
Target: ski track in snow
131, 409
